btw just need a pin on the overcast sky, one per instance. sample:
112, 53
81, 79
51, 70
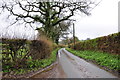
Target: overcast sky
103, 21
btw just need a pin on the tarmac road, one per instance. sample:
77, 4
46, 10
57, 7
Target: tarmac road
71, 66
75, 67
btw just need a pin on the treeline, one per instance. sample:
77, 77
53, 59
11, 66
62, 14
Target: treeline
110, 44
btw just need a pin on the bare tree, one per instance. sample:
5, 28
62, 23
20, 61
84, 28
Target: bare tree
49, 14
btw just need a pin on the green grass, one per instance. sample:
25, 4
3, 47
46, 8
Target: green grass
44, 62
104, 59
0, 43
0, 56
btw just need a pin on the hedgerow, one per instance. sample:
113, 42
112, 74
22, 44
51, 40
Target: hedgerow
110, 44
20, 55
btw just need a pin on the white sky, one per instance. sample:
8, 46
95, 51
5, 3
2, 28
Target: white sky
103, 21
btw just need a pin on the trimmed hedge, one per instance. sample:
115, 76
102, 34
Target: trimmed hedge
110, 43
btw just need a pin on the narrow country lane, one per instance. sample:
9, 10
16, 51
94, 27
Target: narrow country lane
71, 66
75, 67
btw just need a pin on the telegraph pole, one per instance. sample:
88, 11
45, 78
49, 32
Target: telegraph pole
74, 35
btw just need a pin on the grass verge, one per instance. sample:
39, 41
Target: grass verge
34, 65
101, 58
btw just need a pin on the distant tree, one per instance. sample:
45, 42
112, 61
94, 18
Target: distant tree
69, 40
88, 39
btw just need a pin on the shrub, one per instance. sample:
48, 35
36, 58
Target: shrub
12, 51
40, 49
61, 46
55, 46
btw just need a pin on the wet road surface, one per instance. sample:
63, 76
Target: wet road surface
75, 67
71, 66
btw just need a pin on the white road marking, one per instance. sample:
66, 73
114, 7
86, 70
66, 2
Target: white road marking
59, 53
